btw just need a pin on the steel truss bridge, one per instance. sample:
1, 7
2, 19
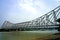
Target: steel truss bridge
46, 21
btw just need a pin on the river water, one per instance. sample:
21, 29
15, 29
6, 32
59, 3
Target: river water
25, 35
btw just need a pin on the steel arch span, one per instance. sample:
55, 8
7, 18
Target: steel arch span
47, 20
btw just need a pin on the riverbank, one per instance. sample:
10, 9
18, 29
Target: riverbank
29, 35
55, 36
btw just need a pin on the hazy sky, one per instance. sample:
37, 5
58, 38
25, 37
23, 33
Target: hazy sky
17, 11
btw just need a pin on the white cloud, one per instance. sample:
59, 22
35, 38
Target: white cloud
26, 1
40, 4
28, 8
57, 0
31, 6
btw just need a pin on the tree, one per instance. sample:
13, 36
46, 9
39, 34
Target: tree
58, 20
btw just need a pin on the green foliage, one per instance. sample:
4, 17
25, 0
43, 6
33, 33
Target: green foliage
58, 20
59, 28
